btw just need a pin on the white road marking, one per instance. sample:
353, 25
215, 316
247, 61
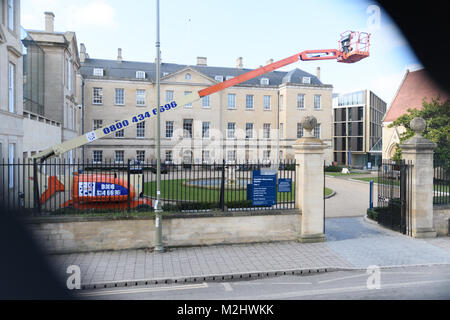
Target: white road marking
142, 290
227, 286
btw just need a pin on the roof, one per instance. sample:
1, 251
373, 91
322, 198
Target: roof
127, 70
416, 86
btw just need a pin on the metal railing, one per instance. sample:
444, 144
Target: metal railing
441, 182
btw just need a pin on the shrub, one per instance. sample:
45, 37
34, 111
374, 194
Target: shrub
333, 168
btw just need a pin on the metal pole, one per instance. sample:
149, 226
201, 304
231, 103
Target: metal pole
158, 222
82, 115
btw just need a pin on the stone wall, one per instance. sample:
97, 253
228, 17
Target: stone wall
441, 217
78, 234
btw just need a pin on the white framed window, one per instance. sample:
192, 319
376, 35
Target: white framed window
300, 131
169, 157
189, 105
11, 88
205, 130
119, 156
306, 80
281, 103
97, 156
140, 155
140, 74
97, 124
140, 130
11, 155
249, 102
231, 155
300, 101
169, 129
231, 101
266, 130
187, 128
317, 131
169, 96
266, 155
119, 133
249, 131
206, 102
218, 78
98, 72
267, 102
265, 81
69, 74
281, 130
97, 96
11, 17
317, 102
141, 97
188, 76
119, 97
206, 157
231, 130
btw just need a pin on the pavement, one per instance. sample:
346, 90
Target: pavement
353, 243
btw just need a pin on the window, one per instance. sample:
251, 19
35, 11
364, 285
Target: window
169, 96
306, 80
119, 156
97, 96
300, 131
231, 101
119, 97
301, 101
140, 74
249, 131
281, 103
189, 105
231, 130
206, 157
317, 102
249, 102
267, 102
69, 74
97, 124
169, 158
266, 155
317, 131
266, 128
140, 97
281, 132
97, 156
140, 130
187, 128
169, 129
205, 130
206, 102
10, 14
264, 82
119, 133
188, 76
140, 155
11, 154
219, 78
11, 88
231, 156
98, 72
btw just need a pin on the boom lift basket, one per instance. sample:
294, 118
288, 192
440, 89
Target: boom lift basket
354, 46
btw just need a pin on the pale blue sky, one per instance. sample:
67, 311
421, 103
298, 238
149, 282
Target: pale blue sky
224, 30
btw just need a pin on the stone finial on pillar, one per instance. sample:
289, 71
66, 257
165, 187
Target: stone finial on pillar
419, 152
309, 193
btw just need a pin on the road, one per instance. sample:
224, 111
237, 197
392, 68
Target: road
425, 282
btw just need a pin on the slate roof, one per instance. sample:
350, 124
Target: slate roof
127, 70
416, 86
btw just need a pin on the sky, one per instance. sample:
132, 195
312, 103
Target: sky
222, 31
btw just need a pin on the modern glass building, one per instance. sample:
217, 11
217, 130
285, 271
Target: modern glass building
357, 124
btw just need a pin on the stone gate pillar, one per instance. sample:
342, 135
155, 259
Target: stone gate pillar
309, 185
419, 151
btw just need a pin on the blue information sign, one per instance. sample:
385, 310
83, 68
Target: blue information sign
284, 185
264, 189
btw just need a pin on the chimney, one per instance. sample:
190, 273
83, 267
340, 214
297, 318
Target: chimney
270, 61
202, 61
49, 22
239, 63
119, 55
318, 73
82, 53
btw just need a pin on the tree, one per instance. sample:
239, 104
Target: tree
437, 116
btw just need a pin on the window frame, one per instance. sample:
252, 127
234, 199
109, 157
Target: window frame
98, 97
319, 102
140, 128
116, 96
269, 107
141, 96
247, 130
206, 133
169, 129
250, 98
11, 87
301, 102
266, 130
231, 101
116, 152
231, 132
94, 161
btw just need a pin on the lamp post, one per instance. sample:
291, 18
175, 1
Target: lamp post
158, 221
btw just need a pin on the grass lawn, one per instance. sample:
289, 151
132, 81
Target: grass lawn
175, 190
397, 183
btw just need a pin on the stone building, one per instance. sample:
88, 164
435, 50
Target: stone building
238, 124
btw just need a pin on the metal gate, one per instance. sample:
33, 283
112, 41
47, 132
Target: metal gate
394, 194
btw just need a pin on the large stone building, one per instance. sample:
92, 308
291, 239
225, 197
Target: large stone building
416, 87
358, 128
11, 104
238, 124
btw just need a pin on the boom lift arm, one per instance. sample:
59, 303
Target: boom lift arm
309, 55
